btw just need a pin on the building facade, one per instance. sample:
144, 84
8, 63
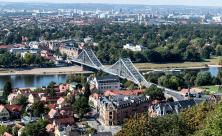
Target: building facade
105, 83
115, 109
69, 49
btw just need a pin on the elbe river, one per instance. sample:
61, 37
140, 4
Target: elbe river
24, 81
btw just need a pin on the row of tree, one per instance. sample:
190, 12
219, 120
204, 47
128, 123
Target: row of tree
185, 79
11, 60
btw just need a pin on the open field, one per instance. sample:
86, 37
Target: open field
146, 66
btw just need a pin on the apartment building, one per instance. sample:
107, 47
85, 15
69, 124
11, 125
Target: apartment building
115, 109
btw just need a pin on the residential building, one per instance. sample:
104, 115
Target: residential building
63, 121
69, 49
114, 109
4, 113
162, 109
104, 83
14, 110
53, 113
34, 45
46, 54
23, 51
61, 102
94, 100
33, 97
192, 92
50, 128
20, 131
133, 48
53, 45
7, 134
123, 92
12, 98
6, 47
64, 87
88, 40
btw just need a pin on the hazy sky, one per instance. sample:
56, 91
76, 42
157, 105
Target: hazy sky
147, 2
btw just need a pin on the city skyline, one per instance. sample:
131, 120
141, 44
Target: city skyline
141, 2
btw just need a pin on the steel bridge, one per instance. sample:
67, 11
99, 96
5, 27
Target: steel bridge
123, 68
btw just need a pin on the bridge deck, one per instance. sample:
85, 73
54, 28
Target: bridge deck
124, 68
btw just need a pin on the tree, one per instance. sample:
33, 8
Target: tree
38, 109
155, 93
75, 78
212, 124
87, 92
22, 100
81, 106
203, 78
143, 125
169, 81
219, 50
192, 54
7, 89
4, 129
50, 89
194, 117
29, 58
220, 61
36, 129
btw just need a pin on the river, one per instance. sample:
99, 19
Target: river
23, 81
213, 70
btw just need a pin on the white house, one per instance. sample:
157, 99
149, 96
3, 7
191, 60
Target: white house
133, 48
4, 114
104, 83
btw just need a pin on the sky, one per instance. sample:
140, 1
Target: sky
144, 2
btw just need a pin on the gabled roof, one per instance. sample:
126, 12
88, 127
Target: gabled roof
50, 127
52, 112
2, 107
13, 108
66, 120
187, 103
60, 100
7, 134
123, 92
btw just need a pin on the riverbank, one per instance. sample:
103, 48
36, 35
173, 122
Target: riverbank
44, 71
182, 65
141, 66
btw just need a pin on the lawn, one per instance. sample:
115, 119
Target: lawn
145, 66
213, 89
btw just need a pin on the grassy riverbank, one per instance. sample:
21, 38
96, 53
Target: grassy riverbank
144, 66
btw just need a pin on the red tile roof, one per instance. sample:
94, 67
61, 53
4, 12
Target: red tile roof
52, 106
7, 134
64, 120
14, 107
96, 95
6, 47
123, 92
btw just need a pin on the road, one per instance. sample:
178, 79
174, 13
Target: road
176, 95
